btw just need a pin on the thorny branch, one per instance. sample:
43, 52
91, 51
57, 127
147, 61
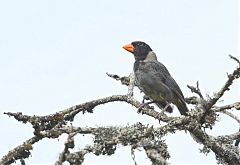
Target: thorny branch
106, 139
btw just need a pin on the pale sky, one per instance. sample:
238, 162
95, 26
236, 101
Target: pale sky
54, 54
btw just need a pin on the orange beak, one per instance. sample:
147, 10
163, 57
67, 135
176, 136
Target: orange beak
129, 47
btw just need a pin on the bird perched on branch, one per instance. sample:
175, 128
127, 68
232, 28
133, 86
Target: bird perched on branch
153, 78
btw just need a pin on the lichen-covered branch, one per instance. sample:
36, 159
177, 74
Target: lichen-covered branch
203, 116
105, 142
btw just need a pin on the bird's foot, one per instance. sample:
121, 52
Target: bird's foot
158, 116
145, 105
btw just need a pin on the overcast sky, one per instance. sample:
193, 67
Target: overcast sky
54, 54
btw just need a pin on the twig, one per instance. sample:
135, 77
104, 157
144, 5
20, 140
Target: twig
229, 106
69, 144
133, 155
131, 84
196, 90
234, 58
228, 83
124, 80
231, 115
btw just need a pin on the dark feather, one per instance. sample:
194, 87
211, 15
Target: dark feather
162, 105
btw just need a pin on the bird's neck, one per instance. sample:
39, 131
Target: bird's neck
151, 56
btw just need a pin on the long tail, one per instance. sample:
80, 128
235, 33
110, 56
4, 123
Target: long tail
162, 104
182, 107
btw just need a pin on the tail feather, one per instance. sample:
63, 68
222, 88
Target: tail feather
182, 107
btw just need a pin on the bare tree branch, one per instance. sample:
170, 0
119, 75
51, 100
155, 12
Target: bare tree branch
231, 115
106, 139
226, 107
231, 78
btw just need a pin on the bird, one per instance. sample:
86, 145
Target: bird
153, 78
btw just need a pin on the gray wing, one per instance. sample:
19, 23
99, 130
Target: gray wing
162, 72
178, 98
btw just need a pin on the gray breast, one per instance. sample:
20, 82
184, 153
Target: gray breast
151, 82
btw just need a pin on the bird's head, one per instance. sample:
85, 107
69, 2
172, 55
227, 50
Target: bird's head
139, 49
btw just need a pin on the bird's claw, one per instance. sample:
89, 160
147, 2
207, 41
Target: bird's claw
158, 116
144, 105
